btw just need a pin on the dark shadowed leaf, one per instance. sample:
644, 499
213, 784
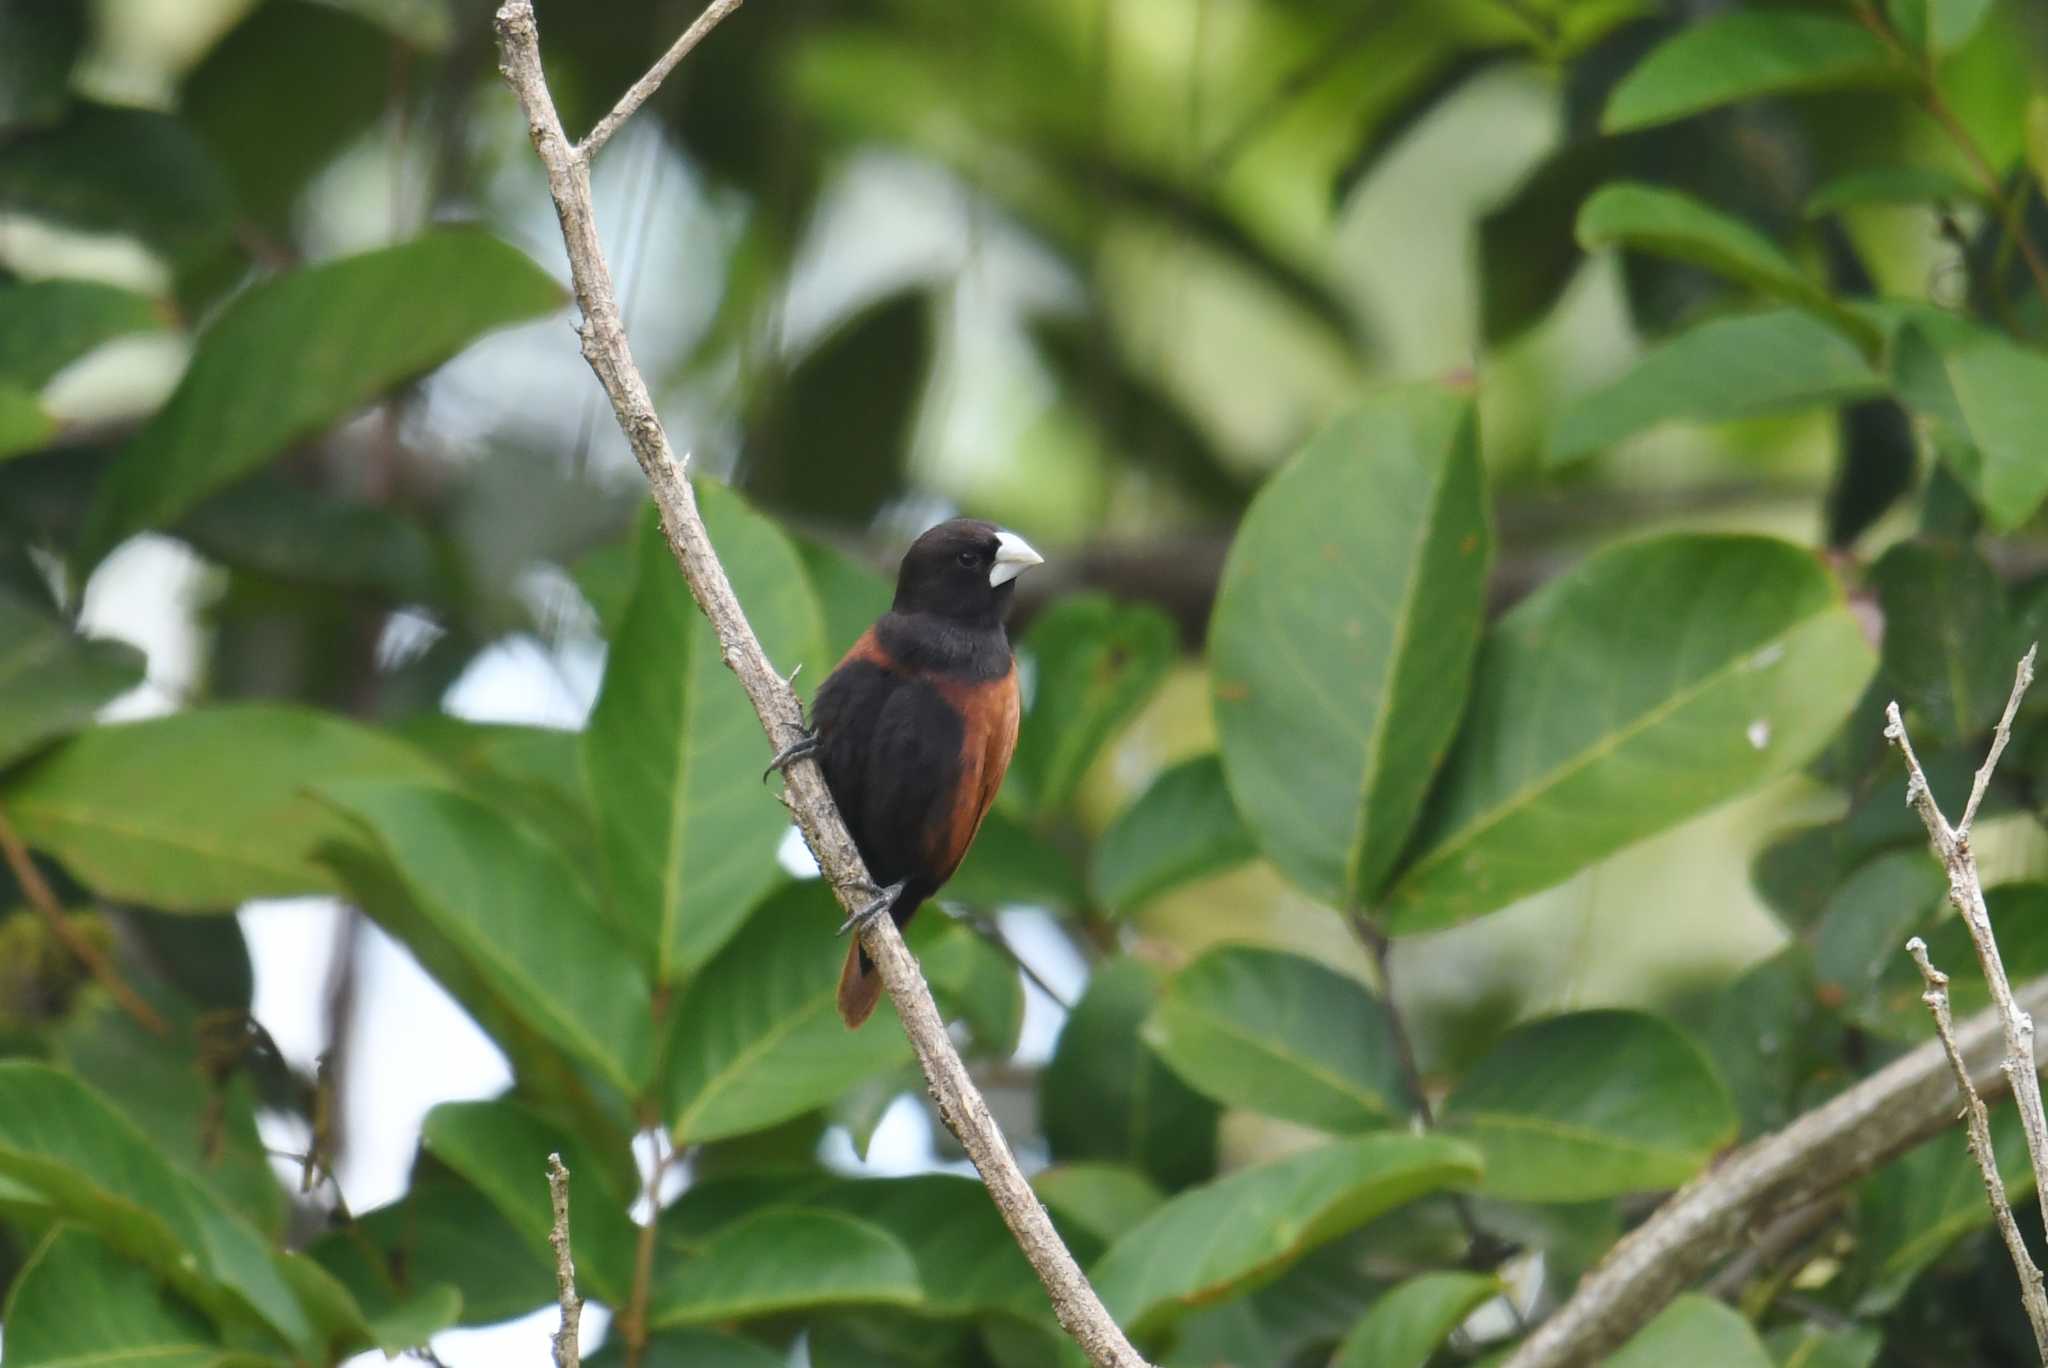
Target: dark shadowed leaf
1276, 1033
1590, 1105
1105, 1096
2019, 916
1103, 1200
1913, 1210
1810, 1346
96, 1168
1646, 685
1528, 249
971, 978
1742, 54
1865, 925
851, 594
1728, 368
39, 42
674, 750
1094, 662
1891, 185
52, 681
1183, 828
1693, 1329
115, 170
1243, 1231
786, 1259
522, 914
79, 1302
1010, 864
1669, 223
1982, 400
1772, 1041
293, 354
967, 1261
283, 530
1405, 1327
757, 1035
502, 1149
690, 1347
1344, 633
45, 325
199, 811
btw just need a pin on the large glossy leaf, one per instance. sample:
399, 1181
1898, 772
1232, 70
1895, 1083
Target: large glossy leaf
1276, 1033
688, 840
1407, 1325
1648, 684
1742, 54
1649, 218
95, 1167
533, 773
1724, 369
521, 913
1182, 828
78, 1302
1950, 645
1094, 662
1891, 185
1983, 401
285, 531
199, 811
1589, 1105
109, 169
1243, 1231
967, 1261
1344, 633
45, 325
502, 1148
289, 356
52, 681
1102, 1200
786, 1259
757, 1035
1693, 1329
1105, 1096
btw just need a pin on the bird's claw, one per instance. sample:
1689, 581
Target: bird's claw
804, 745
884, 899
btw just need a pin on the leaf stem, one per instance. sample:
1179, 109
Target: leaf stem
37, 890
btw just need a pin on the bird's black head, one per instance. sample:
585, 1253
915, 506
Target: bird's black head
963, 571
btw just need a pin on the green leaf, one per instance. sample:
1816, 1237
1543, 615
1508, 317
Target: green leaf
95, 1167
1937, 27
967, 1261
1243, 1231
757, 1035
78, 1302
1983, 402
1694, 1329
1105, 1096
1866, 923
1648, 684
1104, 1200
850, 594
972, 980
1727, 368
502, 1148
1345, 628
1669, 223
519, 911
1890, 185
1743, 54
1912, 1211
39, 44
24, 426
51, 681
1405, 1327
1183, 828
1591, 1104
533, 773
45, 325
199, 811
1950, 645
2019, 916
1276, 1033
1809, 1346
289, 356
109, 169
1010, 864
1772, 1041
786, 1259
1094, 661
690, 1347
280, 529
674, 747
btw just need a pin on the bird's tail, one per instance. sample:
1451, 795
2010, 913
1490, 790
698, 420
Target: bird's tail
860, 987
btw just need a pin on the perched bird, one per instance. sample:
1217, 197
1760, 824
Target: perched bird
914, 728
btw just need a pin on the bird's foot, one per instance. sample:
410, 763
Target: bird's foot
884, 899
806, 744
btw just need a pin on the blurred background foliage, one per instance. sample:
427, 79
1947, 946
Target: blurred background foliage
1673, 340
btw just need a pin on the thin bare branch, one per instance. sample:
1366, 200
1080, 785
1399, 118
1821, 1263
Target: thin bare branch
2022, 678
2032, 1295
37, 890
567, 1341
644, 88
960, 1104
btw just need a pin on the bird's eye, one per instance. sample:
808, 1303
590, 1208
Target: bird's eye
968, 559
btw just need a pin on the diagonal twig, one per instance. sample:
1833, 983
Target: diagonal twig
645, 87
1079, 1310
568, 1351
2032, 1295
38, 892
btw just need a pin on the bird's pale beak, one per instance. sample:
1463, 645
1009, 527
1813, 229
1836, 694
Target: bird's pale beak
1013, 557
